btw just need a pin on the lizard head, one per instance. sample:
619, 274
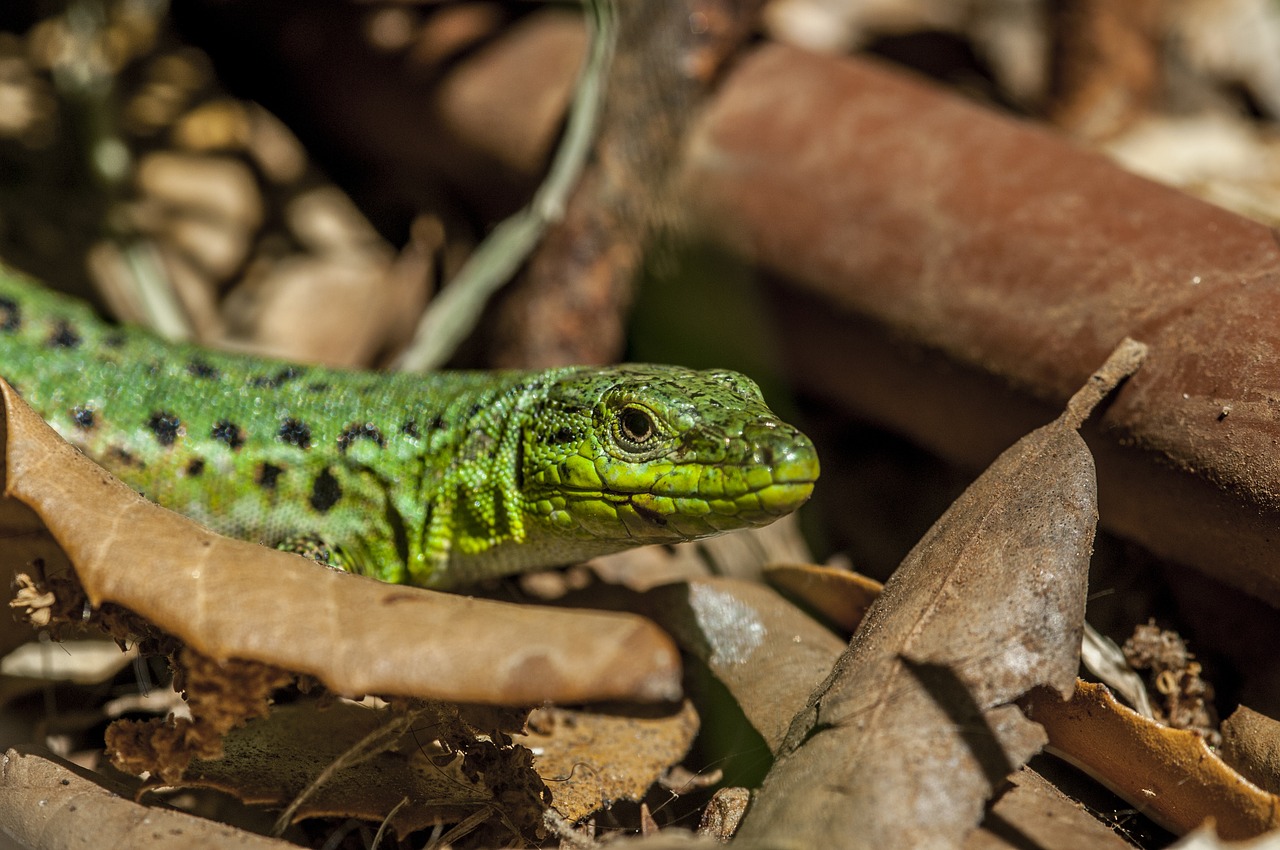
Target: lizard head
647, 454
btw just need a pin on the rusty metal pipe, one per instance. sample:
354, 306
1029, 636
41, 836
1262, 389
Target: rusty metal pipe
989, 266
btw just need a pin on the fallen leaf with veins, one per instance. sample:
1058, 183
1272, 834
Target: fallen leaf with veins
1170, 775
914, 730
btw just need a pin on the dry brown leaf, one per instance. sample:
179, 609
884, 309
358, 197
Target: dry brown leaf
839, 597
591, 759
766, 651
1031, 807
229, 599
1251, 744
1168, 774
386, 757
1034, 813
913, 730
49, 804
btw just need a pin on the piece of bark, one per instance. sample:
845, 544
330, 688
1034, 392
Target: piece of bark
987, 606
1170, 775
229, 599
993, 264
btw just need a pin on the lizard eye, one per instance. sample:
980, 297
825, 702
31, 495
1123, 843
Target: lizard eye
635, 428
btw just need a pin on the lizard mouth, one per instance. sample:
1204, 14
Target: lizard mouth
681, 501
647, 513
790, 484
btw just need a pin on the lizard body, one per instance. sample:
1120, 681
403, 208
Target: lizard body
435, 480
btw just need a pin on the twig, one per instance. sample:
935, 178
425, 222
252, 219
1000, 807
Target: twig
454, 313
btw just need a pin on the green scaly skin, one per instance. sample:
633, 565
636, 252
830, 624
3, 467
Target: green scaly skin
435, 480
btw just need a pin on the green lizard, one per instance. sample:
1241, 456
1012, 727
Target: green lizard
435, 480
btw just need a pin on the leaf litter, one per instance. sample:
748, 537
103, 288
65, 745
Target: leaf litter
444, 762
1008, 560
1171, 775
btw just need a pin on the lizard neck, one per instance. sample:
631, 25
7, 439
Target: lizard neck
475, 508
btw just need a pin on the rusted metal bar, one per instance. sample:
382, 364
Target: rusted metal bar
979, 268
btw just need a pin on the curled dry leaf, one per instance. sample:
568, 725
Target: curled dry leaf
590, 759
913, 730
1170, 775
46, 802
765, 650
230, 599
838, 597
